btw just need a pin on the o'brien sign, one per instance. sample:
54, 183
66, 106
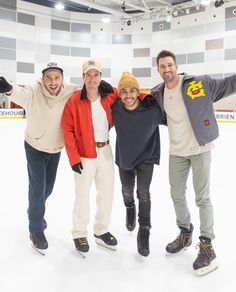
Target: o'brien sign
225, 116
14, 113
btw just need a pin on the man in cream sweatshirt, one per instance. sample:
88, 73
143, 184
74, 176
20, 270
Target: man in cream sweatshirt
44, 104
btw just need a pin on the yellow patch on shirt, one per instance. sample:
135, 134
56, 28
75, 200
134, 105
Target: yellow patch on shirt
195, 89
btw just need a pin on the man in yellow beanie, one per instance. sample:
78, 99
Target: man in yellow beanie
137, 150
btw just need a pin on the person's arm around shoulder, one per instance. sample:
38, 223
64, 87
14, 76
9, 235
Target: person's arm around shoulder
148, 100
107, 91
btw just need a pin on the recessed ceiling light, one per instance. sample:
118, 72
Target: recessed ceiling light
59, 6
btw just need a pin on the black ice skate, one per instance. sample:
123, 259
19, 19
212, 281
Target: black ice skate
39, 242
81, 245
143, 240
206, 259
183, 240
106, 240
131, 218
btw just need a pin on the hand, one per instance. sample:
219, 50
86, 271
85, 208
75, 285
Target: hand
77, 167
105, 88
148, 101
4, 85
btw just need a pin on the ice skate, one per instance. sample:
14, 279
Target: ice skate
206, 259
82, 246
106, 240
39, 242
131, 218
181, 243
143, 242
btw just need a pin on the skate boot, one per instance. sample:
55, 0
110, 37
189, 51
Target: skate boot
143, 240
183, 240
81, 244
45, 225
131, 217
206, 259
39, 242
106, 240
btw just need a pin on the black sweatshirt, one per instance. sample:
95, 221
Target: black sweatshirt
138, 139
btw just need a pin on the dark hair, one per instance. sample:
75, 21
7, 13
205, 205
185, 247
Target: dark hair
165, 53
104, 89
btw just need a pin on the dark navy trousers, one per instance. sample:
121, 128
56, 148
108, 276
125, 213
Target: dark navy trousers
42, 170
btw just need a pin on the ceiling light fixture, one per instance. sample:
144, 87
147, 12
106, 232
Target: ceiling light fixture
168, 18
205, 2
219, 3
59, 6
106, 20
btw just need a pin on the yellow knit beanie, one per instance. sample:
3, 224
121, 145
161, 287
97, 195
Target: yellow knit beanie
127, 80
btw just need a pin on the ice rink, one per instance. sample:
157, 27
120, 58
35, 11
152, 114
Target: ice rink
63, 270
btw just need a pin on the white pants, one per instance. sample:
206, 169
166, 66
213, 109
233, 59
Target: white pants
101, 170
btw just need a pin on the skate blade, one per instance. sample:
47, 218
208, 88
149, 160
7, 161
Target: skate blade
168, 254
141, 258
82, 254
205, 270
101, 243
40, 251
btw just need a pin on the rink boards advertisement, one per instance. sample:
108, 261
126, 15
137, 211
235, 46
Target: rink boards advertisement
12, 113
222, 116
225, 116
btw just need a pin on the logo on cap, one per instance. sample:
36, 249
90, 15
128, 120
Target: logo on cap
92, 64
52, 65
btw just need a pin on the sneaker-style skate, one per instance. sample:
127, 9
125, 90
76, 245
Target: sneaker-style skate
143, 240
131, 218
81, 245
39, 242
183, 240
107, 240
206, 259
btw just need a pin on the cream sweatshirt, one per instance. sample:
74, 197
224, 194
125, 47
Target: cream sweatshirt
43, 115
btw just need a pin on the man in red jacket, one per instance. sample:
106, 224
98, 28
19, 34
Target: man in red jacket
86, 121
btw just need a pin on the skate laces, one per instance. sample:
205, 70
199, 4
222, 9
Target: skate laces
204, 252
83, 241
181, 240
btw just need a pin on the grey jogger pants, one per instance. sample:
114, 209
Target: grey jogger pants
179, 168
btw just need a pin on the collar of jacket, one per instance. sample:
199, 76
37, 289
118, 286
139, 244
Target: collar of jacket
161, 86
84, 92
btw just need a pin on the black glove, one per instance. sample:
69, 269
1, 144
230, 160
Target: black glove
4, 85
105, 88
148, 101
77, 167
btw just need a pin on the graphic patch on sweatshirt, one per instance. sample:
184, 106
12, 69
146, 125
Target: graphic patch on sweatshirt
195, 89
